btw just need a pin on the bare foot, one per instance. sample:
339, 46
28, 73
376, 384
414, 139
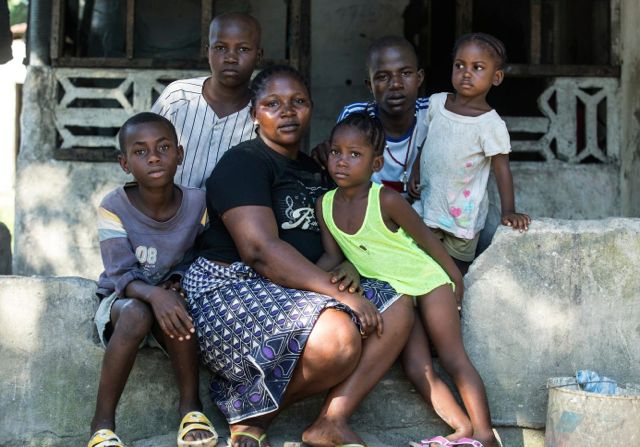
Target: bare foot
488, 439
196, 435
325, 433
460, 432
248, 436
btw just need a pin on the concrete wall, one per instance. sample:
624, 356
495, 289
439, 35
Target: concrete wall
630, 80
56, 201
564, 296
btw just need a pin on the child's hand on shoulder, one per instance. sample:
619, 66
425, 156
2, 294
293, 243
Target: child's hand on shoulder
517, 221
170, 312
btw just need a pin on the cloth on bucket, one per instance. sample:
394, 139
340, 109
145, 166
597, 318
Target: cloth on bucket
592, 382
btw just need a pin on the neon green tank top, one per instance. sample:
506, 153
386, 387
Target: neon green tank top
380, 253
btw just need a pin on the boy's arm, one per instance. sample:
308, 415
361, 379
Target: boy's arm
400, 212
504, 180
122, 269
168, 308
333, 260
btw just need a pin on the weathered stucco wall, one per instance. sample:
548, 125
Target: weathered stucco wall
562, 297
630, 81
56, 200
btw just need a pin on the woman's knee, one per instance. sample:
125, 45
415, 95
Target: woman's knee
335, 339
134, 319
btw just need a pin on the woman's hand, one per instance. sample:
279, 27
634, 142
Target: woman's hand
517, 221
368, 314
347, 278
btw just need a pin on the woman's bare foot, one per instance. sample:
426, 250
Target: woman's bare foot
248, 436
328, 433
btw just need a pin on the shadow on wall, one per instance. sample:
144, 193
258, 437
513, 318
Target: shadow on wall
56, 231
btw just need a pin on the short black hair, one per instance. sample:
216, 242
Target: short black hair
142, 118
389, 41
239, 16
491, 43
367, 124
260, 81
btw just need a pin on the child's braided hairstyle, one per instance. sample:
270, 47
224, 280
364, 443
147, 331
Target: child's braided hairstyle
367, 124
493, 44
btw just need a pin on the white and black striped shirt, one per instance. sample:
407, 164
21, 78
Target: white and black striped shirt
204, 136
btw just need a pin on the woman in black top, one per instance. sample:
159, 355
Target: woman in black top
272, 324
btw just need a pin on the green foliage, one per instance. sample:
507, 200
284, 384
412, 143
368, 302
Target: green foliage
18, 10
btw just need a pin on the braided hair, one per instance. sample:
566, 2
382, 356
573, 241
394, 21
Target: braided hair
260, 81
491, 43
368, 125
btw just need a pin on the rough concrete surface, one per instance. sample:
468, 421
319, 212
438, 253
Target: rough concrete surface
562, 297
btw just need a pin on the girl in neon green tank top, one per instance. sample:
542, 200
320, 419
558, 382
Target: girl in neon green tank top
384, 238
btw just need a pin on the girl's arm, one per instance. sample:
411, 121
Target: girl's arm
332, 255
400, 212
504, 180
255, 232
333, 260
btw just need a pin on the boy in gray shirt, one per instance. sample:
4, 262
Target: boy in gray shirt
145, 228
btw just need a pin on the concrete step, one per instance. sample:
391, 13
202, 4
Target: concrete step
511, 437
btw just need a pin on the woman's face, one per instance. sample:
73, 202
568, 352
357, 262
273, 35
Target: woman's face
283, 112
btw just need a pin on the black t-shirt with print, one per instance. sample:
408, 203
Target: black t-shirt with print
252, 174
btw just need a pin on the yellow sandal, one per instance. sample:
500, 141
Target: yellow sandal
259, 439
105, 438
196, 420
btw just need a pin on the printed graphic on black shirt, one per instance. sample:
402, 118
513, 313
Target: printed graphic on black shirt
299, 208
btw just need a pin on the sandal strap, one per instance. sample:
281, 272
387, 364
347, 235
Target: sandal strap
258, 439
196, 420
468, 441
105, 438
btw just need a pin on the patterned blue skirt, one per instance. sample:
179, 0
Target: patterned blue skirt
252, 332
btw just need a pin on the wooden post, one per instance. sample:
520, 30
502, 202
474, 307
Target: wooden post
299, 38
614, 32
535, 37
206, 15
464, 17
131, 8
57, 29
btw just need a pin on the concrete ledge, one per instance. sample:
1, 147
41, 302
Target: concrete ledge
562, 297
565, 295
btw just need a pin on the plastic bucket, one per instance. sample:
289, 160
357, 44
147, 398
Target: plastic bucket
576, 418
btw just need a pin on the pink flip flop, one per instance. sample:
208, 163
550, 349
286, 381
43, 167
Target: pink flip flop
438, 440
467, 441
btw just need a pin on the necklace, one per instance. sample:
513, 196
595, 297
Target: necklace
404, 178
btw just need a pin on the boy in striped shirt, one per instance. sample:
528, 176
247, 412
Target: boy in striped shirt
211, 114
